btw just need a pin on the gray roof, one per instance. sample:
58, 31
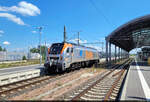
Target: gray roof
135, 33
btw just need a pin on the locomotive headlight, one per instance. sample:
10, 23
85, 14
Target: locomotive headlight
48, 50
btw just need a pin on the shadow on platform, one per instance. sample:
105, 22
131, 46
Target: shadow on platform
140, 64
138, 98
140, 69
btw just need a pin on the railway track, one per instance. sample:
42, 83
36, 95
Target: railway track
103, 87
17, 88
20, 87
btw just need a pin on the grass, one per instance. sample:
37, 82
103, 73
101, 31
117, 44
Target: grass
101, 66
24, 63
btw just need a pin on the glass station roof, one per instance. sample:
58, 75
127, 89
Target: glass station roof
141, 37
133, 34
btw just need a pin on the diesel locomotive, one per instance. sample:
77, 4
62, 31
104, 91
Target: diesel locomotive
63, 56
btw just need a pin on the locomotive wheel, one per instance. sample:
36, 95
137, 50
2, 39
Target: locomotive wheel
83, 65
76, 65
96, 64
79, 65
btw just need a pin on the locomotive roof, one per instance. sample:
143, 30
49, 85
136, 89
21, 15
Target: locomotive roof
76, 45
81, 45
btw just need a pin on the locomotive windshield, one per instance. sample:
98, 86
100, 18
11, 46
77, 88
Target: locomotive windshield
56, 48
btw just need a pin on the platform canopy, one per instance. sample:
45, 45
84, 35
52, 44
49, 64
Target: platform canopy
133, 34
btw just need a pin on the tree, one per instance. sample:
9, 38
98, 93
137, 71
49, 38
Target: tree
24, 58
43, 52
1, 49
34, 50
37, 50
4, 49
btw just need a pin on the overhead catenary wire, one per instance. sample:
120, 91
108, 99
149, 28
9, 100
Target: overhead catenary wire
101, 13
73, 36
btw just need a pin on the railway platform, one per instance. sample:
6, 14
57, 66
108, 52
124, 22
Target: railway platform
137, 83
19, 69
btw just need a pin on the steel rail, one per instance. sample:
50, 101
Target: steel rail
27, 84
98, 81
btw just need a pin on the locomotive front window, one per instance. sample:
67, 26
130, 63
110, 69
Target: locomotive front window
56, 48
67, 50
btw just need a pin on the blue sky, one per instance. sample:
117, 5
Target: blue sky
18, 20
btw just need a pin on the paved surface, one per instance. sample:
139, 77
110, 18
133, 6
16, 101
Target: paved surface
137, 84
21, 68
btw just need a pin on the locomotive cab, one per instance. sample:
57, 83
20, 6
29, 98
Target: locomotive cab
54, 57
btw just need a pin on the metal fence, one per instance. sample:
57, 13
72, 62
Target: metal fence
9, 56
14, 56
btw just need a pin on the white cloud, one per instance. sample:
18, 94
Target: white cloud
134, 51
1, 32
12, 18
34, 31
23, 8
96, 47
88, 45
99, 48
6, 43
80, 41
83, 41
102, 39
47, 44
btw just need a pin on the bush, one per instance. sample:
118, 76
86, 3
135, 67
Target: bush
24, 58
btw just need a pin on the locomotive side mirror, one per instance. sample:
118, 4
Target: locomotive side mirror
71, 50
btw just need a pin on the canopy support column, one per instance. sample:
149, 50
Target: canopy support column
119, 53
115, 53
109, 53
106, 51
